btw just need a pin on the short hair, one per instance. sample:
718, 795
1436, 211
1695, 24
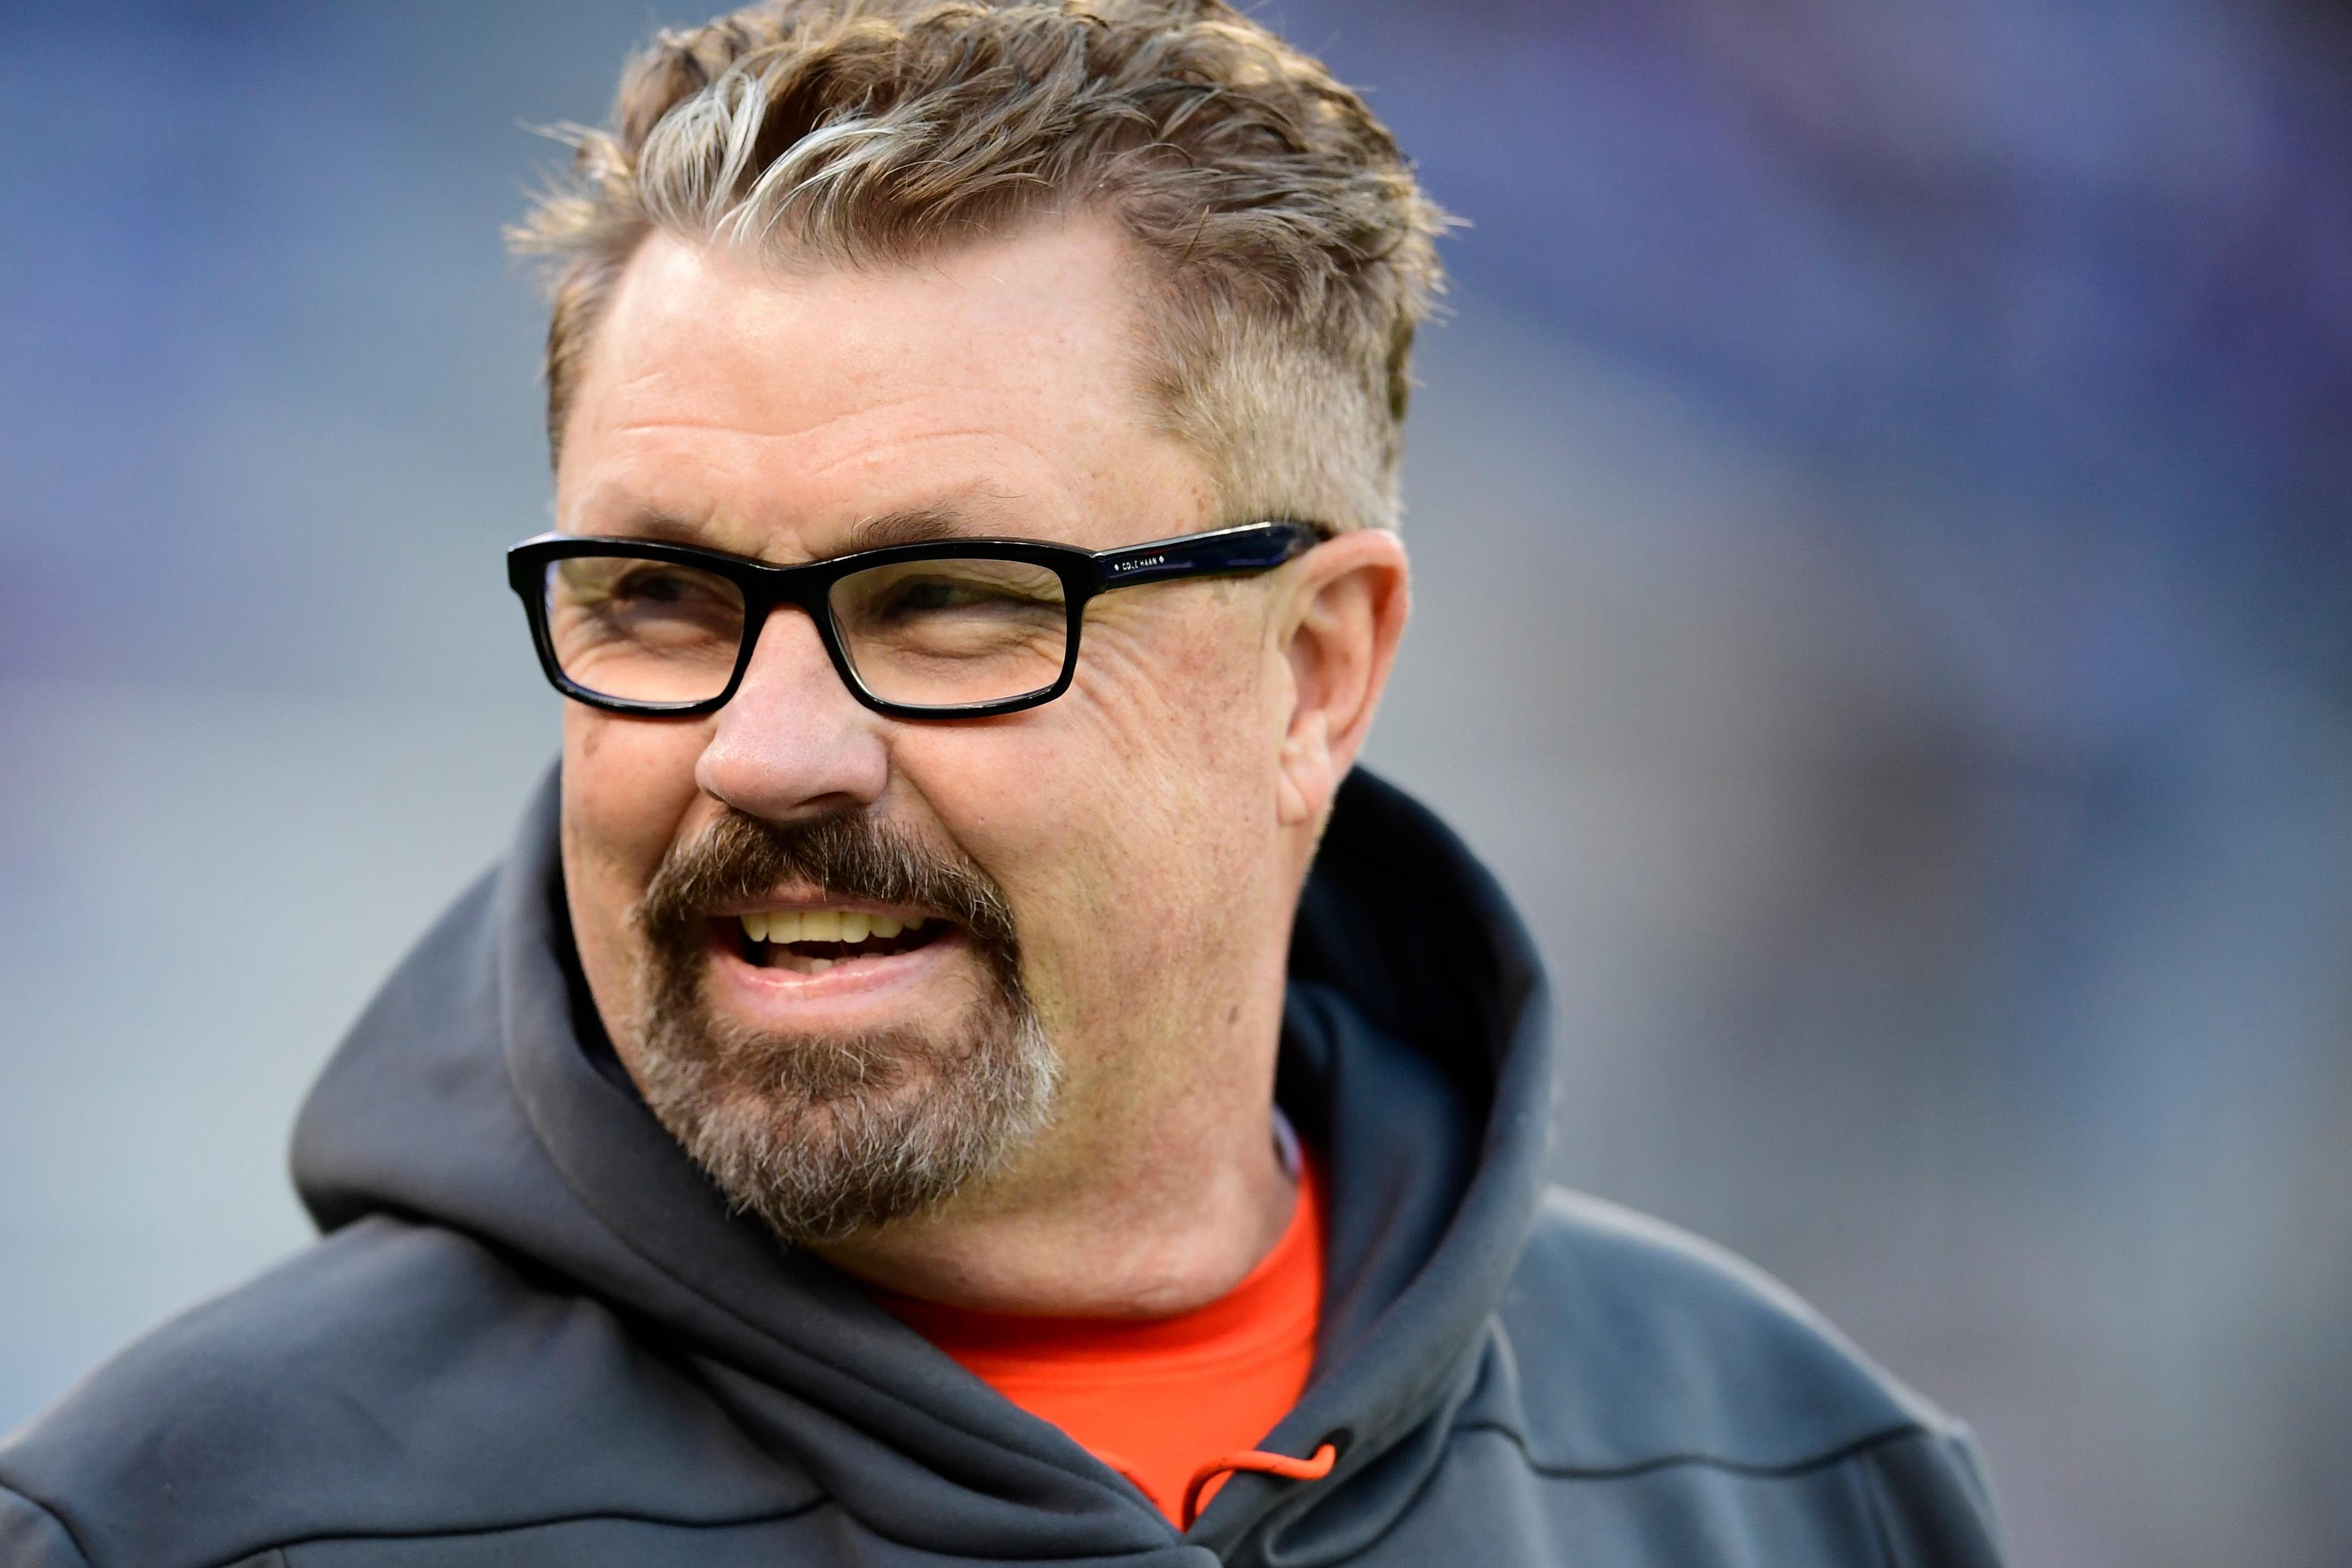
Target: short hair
1289, 251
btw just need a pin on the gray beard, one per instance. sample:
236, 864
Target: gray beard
823, 1136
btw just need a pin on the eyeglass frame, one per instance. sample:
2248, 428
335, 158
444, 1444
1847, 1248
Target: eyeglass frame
1247, 549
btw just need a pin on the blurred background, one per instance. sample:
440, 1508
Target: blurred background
1883, 504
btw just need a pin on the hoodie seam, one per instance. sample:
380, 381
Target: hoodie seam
54, 1517
662, 1329
1874, 1498
581, 1516
788, 1348
1827, 1460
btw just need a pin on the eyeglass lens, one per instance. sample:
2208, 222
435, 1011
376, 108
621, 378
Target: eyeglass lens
921, 634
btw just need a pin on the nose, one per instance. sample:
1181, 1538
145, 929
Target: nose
792, 742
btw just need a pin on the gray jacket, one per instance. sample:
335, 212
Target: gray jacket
532, 1333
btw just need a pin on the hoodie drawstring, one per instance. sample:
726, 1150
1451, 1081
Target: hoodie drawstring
1260, 1462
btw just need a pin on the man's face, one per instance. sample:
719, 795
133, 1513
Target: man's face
1103, 882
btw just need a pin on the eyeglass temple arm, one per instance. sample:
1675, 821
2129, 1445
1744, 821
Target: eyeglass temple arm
1253, 547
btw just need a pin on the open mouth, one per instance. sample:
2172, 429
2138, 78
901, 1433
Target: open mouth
811, 942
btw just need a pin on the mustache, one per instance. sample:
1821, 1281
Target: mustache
848, 856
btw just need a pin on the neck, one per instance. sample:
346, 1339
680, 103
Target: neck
1095, 1232
1158, 1186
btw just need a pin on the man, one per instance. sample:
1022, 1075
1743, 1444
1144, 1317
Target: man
956, 1068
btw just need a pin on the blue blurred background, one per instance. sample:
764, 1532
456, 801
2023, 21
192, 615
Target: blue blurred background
1883, 503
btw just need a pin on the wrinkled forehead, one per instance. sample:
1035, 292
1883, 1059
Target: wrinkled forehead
994, 389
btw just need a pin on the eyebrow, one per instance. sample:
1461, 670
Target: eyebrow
911, 525
907, 525
669, 530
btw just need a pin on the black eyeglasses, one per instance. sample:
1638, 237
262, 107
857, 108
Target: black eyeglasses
959, 628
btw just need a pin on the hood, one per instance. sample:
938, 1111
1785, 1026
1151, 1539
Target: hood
1414, 1059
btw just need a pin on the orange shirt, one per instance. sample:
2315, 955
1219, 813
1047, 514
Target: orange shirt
1157, 1399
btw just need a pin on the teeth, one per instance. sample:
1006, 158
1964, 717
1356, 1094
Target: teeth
819, 965
781, 926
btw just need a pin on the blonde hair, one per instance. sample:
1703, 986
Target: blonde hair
1292, 250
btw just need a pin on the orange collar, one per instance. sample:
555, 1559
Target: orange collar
1171, 1403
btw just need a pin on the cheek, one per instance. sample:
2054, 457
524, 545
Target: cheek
1125, 817
1186, 712
628, 786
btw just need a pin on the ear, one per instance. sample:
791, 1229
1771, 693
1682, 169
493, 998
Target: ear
1340, 628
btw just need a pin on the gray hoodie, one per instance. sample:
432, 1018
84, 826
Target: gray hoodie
531, 1332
